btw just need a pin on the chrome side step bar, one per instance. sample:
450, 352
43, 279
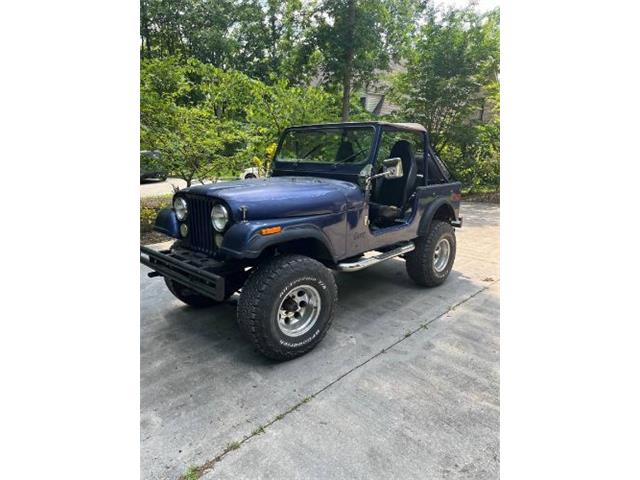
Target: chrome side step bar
362, 263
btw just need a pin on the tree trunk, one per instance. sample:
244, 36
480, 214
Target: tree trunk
346, 92
347, 75
274, 39
146, 34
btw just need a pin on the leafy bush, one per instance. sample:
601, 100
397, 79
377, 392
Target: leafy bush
208, 122
451, 87
149, 208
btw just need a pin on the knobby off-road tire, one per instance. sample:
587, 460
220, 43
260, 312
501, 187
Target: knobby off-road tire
188, 296
286, 306
426, 265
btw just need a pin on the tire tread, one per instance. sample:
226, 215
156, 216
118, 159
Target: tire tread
419, 261
258, 285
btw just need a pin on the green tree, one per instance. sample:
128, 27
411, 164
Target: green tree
206, 121
195, 115
278, 106
359, 37
292, 53
451, 86
201, 146
263, 39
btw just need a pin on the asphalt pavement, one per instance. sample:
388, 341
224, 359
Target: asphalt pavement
404, 385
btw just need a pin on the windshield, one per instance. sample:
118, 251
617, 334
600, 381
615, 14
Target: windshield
331, 145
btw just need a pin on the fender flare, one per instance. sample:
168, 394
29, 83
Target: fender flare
243, 240
427, 218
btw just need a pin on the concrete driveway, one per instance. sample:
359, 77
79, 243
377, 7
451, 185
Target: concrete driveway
404, 385
151, 188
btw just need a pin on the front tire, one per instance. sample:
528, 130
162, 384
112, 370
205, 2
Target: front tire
430, 263
188, 296
286, 306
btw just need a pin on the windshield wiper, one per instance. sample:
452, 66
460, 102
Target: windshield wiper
345, 160
308, 153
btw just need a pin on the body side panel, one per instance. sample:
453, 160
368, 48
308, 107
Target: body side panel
360, 237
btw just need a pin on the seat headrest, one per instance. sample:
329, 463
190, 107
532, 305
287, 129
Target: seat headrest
344, 152
404, 150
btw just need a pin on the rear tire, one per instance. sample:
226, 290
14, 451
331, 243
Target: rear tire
188, 296
427, 265
286, 306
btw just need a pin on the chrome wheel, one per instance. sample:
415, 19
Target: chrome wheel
441, 255
299, 310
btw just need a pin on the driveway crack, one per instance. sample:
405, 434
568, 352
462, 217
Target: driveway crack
195, 472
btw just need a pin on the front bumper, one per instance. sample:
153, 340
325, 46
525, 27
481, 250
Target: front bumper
199, 273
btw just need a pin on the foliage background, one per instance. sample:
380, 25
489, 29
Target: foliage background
220, 80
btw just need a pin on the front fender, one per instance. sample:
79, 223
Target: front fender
244, 240
167, 223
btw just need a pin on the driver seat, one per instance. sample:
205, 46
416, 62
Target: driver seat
392, 194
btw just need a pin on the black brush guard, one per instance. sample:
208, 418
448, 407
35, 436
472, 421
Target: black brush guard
198, 272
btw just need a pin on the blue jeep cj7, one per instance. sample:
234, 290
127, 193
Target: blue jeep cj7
340, 197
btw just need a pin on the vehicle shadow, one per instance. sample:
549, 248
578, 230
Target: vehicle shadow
381, 297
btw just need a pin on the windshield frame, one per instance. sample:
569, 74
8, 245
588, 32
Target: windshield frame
313, 165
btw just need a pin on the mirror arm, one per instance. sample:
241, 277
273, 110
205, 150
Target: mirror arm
373, 177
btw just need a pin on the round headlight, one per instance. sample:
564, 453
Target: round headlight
180, 206
219, 217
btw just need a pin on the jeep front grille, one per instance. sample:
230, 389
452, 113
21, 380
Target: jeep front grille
200, 237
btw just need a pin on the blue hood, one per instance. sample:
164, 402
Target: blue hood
282, 197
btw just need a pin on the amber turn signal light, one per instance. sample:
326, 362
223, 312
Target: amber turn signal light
270, 230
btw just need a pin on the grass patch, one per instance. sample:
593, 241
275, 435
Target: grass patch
231, 446
192, 474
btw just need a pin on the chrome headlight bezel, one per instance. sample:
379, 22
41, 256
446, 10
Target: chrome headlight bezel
181, 208
219, 217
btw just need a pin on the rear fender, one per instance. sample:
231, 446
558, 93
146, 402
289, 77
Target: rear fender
442, 205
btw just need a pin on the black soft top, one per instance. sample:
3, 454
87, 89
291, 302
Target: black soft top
416, 127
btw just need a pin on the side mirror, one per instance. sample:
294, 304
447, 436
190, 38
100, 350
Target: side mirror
392, 168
